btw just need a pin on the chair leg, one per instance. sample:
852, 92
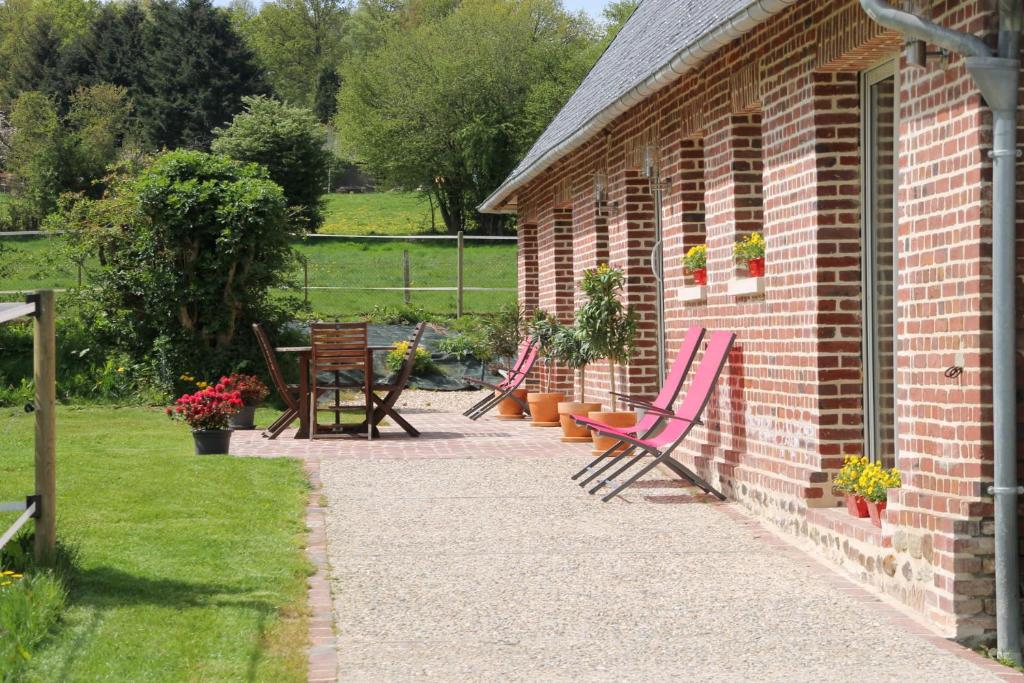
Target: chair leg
282, 423
273, 425
611, 477
629, 482
686, 473
484, 409
613, 458
476, 405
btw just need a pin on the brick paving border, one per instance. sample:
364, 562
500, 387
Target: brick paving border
323, 645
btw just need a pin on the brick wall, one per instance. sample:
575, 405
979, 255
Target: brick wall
766, 135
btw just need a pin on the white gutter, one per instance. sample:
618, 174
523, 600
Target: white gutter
689, 57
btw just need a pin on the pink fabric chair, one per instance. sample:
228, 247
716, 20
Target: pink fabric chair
677, 427
528, 352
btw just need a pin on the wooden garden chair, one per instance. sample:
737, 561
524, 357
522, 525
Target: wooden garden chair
289, 393
677, 428
385, 407
338, 348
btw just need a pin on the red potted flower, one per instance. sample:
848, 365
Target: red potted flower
696, 262
750, 250
207, 412
846, 483
252, 391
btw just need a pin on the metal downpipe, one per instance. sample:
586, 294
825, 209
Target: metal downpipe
997, 77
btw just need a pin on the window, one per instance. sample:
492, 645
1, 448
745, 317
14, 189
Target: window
879, 114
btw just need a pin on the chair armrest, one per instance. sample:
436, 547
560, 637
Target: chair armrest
672, 416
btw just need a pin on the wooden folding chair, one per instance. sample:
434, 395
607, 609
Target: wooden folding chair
678, 427
289, 393
338, 348
385, 407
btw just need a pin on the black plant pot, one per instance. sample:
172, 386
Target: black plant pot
243, 419
212, 441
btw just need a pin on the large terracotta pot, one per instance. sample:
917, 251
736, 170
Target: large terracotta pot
619, 419
572, 432
544, 408
510, 409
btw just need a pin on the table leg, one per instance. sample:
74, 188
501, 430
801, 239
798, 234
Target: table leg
304, 397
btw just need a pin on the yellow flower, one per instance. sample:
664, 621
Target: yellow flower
120, 369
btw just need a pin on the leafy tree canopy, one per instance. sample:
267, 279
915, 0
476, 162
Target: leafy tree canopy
291, 144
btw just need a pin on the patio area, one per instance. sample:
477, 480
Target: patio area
468, 554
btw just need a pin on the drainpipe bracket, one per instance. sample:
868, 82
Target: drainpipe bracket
995, 154
1005, 490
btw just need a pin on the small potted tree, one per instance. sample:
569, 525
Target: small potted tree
544, 404
609, 328
570, 348
252, 391
750, 250
696, 263
207, 412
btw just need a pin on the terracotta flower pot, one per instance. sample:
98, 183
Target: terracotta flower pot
856, 505
509, 408
618, 419
756, 267
572, 432
700, 276
544, 408
875, 511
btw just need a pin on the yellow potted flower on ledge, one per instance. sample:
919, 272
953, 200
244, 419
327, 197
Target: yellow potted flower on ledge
750, 250
874, 484
846, 482
695, 262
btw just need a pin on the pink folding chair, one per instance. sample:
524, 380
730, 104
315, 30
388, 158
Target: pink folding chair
652, 420
528, 352
677, 428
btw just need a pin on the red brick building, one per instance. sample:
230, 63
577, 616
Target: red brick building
870, 179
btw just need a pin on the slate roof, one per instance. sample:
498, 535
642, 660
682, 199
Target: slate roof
655, 33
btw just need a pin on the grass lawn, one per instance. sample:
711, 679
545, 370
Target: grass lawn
41, 263
190, 568
378, 213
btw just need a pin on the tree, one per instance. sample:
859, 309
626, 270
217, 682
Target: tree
606, 326
95, 129
193, 246
615, 15
34, 158
418, 113
298, 42
290, 143
196, 72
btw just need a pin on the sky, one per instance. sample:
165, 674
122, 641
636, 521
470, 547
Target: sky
592, 7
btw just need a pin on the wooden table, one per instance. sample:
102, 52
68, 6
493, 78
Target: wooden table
305, 353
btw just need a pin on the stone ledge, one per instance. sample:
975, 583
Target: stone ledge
839, 521
746, 286
693, 293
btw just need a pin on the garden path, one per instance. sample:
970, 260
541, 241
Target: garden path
468, 554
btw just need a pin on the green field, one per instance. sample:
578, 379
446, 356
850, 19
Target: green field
41, 262
378, 213
189, 568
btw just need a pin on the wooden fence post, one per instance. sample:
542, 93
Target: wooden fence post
458, 276
405, 276
44, 371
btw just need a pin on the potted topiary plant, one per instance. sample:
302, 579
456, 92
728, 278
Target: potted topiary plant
846, 483
570, 348
252, 391
207, 412
696, 263
544, 404
610, 330
750, 250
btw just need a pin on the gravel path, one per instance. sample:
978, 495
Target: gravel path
498, 568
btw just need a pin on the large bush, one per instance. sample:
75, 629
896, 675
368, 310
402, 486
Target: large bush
290, 143
189, 252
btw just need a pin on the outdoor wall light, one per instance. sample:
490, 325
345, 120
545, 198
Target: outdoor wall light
604, 207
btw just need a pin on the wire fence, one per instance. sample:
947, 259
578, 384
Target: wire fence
336, 275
